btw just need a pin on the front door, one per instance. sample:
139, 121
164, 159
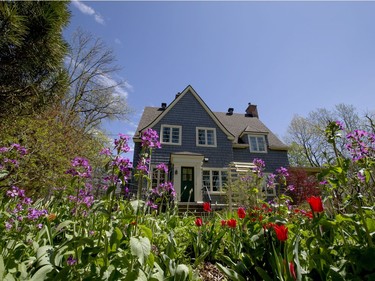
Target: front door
187, 184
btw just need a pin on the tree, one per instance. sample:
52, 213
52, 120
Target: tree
94, 92
51, 146
306, 135
32, 50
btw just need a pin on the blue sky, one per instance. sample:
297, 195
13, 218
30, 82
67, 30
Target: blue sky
288, 57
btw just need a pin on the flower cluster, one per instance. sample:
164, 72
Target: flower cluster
259, 167
81, 168
150, 139
121, 144
8, 159
84, 197
361, 144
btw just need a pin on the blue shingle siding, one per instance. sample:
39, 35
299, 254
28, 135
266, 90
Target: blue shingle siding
189, 114
273, 158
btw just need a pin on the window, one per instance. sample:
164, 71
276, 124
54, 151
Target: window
158, 177
214, 180
170, 134
257, 143
206, 136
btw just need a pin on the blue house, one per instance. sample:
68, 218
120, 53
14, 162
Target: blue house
200, 145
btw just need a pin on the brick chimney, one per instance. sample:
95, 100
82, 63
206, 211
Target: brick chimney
252, 111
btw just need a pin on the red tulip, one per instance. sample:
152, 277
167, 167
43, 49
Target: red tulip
223, 222
241, 213
207, 206
292, 270
281, 232
198, 222
315, 204
232, 223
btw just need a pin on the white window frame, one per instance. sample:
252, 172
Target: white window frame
256, 138
221, 184
205, 129
171, 127
159, 178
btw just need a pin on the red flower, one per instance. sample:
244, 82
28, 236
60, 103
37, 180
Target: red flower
292, 270
315, 204
241, 213
223, 222
281, 232
198, 222
207, 206
232, 223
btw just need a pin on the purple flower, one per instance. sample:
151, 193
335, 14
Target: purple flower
259, 167
282, 171
71, 261
162, 167
105, 151
122, 143
270, 181
81, 168
16, 192
8, 225
34, 214
340, 125
151, 205
150, 139
40, 226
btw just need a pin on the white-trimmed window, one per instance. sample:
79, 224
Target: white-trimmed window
257, 143
158, 177
206, 136
171, 134
214, 179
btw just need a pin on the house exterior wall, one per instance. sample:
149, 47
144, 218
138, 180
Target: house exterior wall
189, 114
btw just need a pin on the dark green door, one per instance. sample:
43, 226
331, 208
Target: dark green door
187, 184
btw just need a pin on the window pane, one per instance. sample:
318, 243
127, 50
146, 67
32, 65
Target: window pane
166, 134
224, 178
210, 137
215, 181
261, 144
206, 179
201, 137
253, 144
175, 135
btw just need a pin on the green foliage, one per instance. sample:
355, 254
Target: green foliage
32, 50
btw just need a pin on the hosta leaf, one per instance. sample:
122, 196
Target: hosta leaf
141, 248
232, 275
42, 272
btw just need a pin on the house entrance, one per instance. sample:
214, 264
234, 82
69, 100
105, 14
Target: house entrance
187, 184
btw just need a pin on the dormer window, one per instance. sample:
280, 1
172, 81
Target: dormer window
206, 136
257, 144
170, 134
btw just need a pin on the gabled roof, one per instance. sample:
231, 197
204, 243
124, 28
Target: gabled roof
234, 125
150, 118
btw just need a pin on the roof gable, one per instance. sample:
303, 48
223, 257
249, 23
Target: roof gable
151, 116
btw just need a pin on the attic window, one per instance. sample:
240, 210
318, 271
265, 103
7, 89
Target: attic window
170, 134
257, 143
206, 136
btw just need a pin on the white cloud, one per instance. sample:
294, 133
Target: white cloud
87, 10
107, 81
118, 41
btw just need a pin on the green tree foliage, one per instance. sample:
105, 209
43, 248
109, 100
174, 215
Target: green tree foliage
31, 55
51, 146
